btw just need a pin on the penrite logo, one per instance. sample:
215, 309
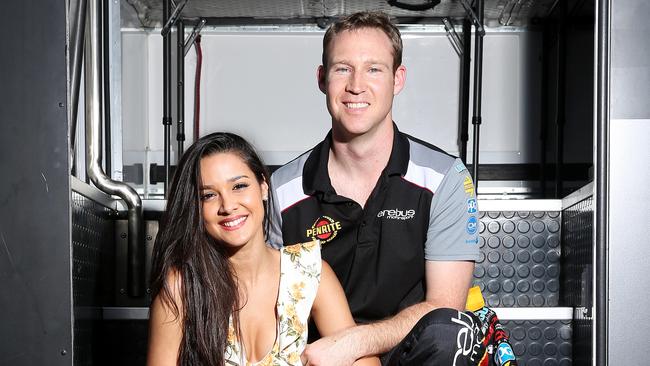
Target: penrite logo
397, 214
324, 229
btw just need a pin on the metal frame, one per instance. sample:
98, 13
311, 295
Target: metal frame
180, 85
114, 101
173, 18
519, 205
601, 212
560, 116
167, 91
77, 28
463, 105
478, 85
96, 195
94, 114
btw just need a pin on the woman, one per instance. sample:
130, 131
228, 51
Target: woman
221, 295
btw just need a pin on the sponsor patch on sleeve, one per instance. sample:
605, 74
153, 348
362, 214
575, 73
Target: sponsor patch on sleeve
504, 353
468, 186
460, 168
472, 207
472, 225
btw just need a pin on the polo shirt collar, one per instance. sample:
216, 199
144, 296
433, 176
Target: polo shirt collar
316, 177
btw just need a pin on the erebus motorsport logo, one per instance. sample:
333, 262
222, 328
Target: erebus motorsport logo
397, 214
324, 229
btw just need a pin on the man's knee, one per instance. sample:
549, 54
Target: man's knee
442, 336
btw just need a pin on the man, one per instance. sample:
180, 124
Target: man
396, 217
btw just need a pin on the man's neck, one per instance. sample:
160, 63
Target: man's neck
355, 164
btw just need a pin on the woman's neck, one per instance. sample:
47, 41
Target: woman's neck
252, 262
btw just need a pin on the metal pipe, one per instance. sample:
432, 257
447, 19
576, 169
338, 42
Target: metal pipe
195, 32
170, 20
463, 113
197, 87
478, 88
93, 92
477, 20
601, 212
76, 57
167, 94
456, 42
106, 96
560, 117
180, 88
543, 130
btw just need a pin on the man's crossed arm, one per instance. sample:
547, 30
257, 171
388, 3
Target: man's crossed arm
447, 283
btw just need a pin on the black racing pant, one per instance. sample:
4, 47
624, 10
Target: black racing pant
443, 337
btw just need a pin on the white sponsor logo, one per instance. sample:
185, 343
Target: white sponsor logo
397, 214
466, 342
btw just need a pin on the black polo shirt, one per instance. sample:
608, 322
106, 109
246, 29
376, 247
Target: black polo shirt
423, 207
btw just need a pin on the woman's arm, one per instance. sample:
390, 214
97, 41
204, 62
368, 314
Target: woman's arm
165, 328
331, 312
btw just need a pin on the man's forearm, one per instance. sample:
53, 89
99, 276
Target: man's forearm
382, 336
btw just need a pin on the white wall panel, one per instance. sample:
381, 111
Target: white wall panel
262, 85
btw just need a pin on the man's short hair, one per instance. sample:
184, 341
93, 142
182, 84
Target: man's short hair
361, 20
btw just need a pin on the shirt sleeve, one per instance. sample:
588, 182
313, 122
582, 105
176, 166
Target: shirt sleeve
453, 222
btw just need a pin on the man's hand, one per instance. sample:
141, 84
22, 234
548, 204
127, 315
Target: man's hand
334, 350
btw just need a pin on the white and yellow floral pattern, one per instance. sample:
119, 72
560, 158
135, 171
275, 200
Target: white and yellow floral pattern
300, 268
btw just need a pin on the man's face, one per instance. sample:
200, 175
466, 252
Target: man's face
359, 82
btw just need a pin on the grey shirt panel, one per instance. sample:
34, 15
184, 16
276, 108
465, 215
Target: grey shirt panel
285, 175
453, 225
425, 156
275, 229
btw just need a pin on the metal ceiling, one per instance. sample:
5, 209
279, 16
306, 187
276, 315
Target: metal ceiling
148, 13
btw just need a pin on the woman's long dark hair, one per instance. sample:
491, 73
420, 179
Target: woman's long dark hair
183, 247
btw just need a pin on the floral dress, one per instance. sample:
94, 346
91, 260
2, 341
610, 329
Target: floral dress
300, 268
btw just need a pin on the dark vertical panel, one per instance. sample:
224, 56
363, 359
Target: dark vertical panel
35, 298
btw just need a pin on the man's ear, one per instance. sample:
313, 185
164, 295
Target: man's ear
400, 79
321, 77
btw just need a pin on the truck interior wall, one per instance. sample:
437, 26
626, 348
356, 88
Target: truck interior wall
263, 86
35, 240
629, 170
570, 99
